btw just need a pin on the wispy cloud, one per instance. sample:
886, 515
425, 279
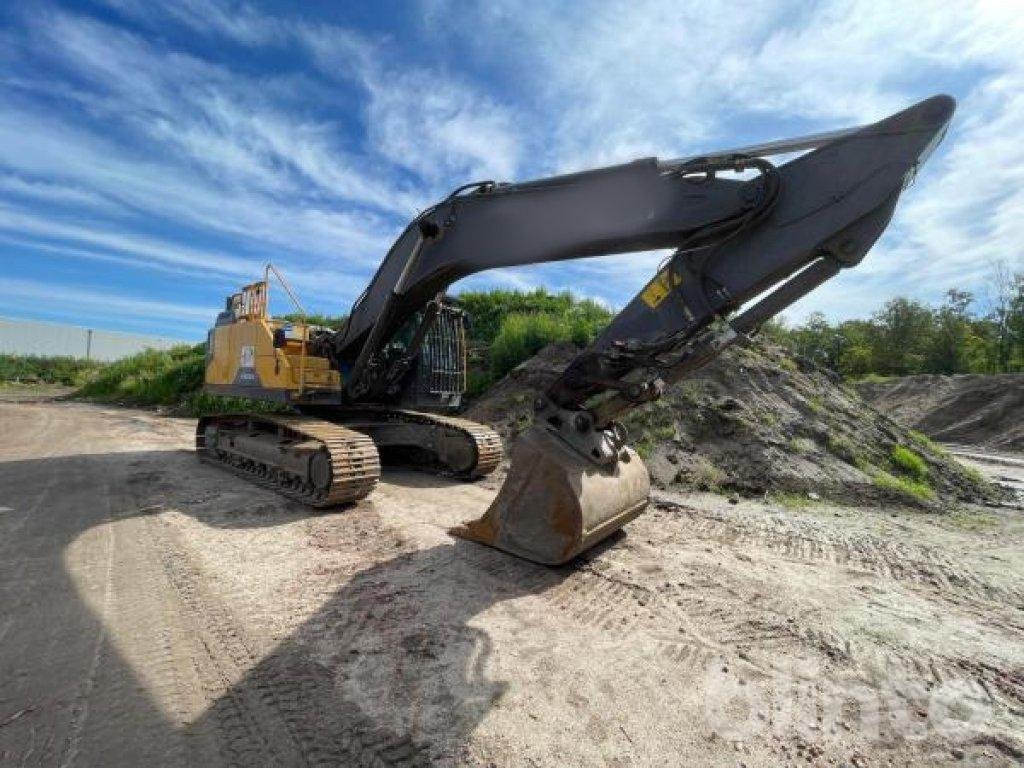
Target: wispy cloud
204, 137
620, 80
71, 303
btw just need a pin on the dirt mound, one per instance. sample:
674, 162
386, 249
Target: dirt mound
967, 408
755, 422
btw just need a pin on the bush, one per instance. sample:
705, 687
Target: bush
488, 310
909, 462
522, 336
706, 476
150, 378
69, 371
337, 322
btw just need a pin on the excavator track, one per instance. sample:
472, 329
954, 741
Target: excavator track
486, 441
483, 447
343, 465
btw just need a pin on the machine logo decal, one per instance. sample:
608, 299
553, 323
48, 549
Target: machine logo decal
247, 367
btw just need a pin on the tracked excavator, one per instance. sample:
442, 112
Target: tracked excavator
747, 238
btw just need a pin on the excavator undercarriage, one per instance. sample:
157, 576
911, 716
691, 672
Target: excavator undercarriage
747, 238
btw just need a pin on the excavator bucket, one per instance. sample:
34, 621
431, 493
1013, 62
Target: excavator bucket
555, 504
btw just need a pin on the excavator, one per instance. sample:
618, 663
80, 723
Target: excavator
747, 237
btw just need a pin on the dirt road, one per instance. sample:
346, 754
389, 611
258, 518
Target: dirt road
155, 611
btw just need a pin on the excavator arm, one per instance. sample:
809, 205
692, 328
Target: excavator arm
753, 242
734, 238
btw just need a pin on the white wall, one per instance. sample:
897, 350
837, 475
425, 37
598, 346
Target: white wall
24, 337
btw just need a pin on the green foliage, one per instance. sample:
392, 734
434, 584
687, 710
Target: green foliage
793, 500
68, 371
801, 445
842, 448
970, 473
337, 322
909, 462
927, 443
204, 404
906, 336
916, 489
173, 377
874, 378
507, 327
706, 476
149, 378
522, 336
488, 310
973, 520
651, 425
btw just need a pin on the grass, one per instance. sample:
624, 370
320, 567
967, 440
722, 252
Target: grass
173, 377
801, 445
971, 473
31, 369
909, 463
925, 442
793, 500
973, 521
149, 378
873, 378
522, 336
706, 476
843, 449
816, 405
204, 404
905, 486
650, 439
651, 425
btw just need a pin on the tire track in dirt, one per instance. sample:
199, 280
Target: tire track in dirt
804, 541
277, 709
9, 533
688, 624
80, 708
135, 702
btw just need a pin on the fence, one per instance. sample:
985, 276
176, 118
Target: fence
23, 337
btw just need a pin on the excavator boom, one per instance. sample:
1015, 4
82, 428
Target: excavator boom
747, 239
572, 480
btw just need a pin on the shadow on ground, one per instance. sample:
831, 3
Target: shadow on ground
384, 672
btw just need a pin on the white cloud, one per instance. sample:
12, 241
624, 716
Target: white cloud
270, 163
49, 192
27, 295
147, 247
611, 81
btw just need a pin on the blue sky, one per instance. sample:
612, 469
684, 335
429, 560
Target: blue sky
154, 156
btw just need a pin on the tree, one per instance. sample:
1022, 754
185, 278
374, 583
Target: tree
951, 328
1007, 316
817, 341
904, 332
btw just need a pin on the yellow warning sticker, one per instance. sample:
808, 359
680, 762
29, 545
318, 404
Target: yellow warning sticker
659, 288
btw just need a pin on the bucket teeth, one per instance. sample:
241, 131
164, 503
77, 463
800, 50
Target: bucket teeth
555, 504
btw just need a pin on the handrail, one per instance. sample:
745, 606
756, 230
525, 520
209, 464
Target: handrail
302, 314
